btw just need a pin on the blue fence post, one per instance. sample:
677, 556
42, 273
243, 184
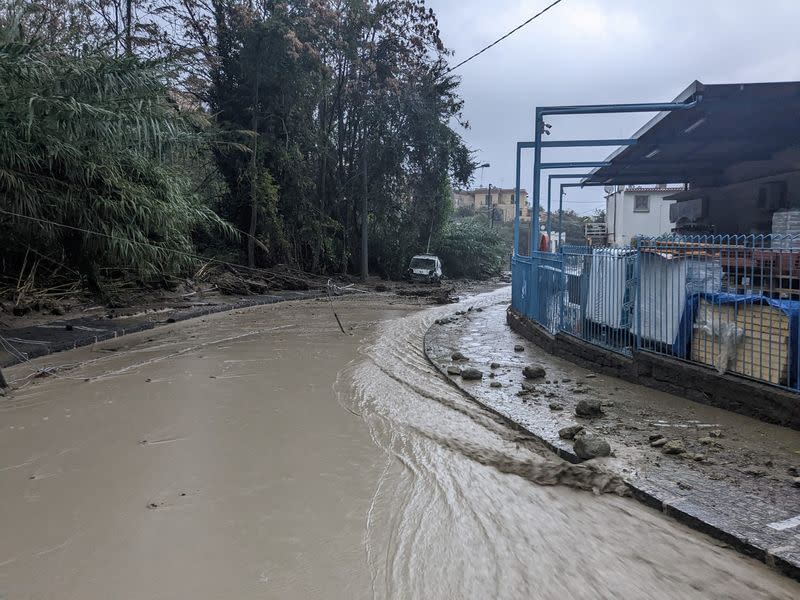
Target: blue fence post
516, 202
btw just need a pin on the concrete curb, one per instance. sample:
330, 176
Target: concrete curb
708, 521
78, 340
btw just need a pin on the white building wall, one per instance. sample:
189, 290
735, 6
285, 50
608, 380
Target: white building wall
624, 223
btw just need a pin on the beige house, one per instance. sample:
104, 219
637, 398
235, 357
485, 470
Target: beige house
502, 200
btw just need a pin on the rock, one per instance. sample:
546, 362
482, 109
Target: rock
471, 374
794, 471
458, 356
69, 327
590, 446
699, 457
580, 391
654, 437
591, 376
796, 482
755, 471
555, 406
381, 287
529, 386
565, 380
496, 384
492, 375
684, 486
519, 348
453, 370
673, 447
569, 433
534, 372
58, 311
658, 442
707, 441
608, 404
494, 366
716, 433
588, 408
479, 309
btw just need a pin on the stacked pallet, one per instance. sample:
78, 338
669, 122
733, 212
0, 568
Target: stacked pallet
747, 339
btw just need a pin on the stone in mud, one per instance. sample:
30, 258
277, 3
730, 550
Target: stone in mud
458, 356
673, 447
589, 409
569, 433
471, 374
494, 365
451, 370
716, 433
566, 380
479, 309
529, 386
519, 348
658, 443
534, 372
492, 375
654, 437
755, 471
496, 384
796, 482
555, 406
590, 446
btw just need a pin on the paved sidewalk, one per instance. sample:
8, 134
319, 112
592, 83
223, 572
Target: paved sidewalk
734, 480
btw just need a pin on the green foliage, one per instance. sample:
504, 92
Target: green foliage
469, 248
93, 144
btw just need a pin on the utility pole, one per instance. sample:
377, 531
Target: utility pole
490, 207
364, 216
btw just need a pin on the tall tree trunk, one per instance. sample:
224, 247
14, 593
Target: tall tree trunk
128, 27
364, 216
251, 240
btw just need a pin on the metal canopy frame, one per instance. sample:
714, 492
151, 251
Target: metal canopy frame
538, 144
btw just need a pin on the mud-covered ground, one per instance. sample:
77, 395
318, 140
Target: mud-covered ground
263, 453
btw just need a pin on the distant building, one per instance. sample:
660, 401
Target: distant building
502, 199
637, 210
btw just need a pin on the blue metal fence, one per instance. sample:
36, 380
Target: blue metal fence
731, 303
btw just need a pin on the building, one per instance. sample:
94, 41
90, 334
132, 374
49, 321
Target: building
736, 151
501, 198
637, 210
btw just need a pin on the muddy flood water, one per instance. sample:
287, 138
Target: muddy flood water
264, 454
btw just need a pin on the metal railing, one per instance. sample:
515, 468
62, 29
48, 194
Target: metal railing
731, 303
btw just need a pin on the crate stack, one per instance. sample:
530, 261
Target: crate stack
786, 225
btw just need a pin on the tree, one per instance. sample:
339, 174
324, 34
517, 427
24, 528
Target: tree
89, 163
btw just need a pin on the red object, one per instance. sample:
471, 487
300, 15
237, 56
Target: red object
544, 243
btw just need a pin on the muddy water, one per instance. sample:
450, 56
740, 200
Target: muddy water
265, 455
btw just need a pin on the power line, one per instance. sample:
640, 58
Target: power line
497, 41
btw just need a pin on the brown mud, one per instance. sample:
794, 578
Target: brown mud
264, 454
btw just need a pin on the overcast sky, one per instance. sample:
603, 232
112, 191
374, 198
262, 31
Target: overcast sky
602, 51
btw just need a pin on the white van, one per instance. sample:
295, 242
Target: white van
425, 267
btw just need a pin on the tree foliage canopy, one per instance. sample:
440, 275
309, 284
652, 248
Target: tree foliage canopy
279, 117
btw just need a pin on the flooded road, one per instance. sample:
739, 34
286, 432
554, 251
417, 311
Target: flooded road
263, 454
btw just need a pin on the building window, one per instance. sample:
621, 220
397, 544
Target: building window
641, 204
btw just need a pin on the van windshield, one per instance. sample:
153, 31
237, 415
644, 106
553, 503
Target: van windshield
423, 263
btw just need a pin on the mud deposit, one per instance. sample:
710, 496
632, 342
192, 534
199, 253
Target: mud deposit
263, 454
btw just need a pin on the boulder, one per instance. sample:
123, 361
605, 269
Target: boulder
569, 433
591, 446
674, 447
589, 409
496, 384
458, 356
452, 370
471, 374
533, 372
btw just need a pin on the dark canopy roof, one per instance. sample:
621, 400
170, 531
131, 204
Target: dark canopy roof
732, 123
